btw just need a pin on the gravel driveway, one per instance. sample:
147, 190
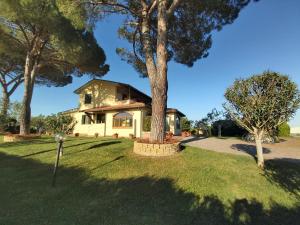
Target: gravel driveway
288, 149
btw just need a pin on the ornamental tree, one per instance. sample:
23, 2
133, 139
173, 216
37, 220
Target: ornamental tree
57, 43
261, 103
164, 30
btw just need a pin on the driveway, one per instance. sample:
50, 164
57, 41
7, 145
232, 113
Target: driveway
287, 149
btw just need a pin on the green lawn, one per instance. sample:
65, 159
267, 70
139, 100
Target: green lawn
101, 181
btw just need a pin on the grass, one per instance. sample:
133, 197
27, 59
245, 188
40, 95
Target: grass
100, 181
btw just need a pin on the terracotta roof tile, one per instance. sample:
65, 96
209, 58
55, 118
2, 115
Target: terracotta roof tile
116, 107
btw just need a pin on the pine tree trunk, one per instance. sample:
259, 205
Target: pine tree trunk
156, 69
159, 83
259, 150
29, 78
5, 102
159, 98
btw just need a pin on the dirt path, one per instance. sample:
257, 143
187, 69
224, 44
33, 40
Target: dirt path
288, 149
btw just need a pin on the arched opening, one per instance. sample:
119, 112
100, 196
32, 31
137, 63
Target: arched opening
122, 120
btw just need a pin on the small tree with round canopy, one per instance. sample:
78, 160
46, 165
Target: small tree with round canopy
261, 103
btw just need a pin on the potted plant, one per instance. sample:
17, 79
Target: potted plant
96, 135
76, 134
115, 135
131, 136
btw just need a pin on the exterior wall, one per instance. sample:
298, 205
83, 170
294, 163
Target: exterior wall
87, 129
102, 94
106, 129
171, 118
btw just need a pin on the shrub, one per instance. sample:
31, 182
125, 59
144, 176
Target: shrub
284, 130
59, 123
185, 124
147, 123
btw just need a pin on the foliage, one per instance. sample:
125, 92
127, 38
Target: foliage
205, 124
58, 44
104, 176
185, 124
59, 123
284, 130
3, 122
38, 123
15, 109
262, 101
147, 123
69, 48
229, 128
11, 75
190, 24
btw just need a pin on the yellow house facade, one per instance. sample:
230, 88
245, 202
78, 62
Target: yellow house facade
107, 108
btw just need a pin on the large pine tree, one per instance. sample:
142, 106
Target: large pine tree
57, 44
164, 30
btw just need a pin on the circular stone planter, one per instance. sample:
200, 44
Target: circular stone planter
16, 137
147, 149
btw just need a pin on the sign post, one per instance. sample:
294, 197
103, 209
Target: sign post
59, 138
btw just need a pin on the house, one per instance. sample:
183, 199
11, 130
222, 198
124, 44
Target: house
107, 107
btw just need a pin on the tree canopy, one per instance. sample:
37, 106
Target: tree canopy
190, 24
58, 42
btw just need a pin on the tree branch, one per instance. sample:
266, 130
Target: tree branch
24, 33
103, 2
14, 87
172, 7
18, 77
152, 7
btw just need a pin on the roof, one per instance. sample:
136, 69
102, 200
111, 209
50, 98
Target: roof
77, 91
172, 110
69, 111
116, 107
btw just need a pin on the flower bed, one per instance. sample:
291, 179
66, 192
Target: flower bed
17, 137
143, 147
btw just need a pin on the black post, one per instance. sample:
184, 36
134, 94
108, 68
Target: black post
57, 162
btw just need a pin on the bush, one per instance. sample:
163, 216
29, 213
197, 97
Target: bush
284, 130
228, 128
59, 123
147, 123
185, 124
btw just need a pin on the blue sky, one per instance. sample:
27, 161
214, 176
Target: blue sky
265, 36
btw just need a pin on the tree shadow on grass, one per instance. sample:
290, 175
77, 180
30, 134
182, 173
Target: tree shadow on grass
81, 199
54, 149
109, 162
99, 145
285, 174
249, 149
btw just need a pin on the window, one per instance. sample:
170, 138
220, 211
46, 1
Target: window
87, 99
167, 121
177, 122
100, 118
122, 119
85, 119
